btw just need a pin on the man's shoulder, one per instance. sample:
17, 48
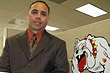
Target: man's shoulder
55, 38
16, 35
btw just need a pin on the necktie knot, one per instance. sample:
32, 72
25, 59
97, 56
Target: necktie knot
34, 37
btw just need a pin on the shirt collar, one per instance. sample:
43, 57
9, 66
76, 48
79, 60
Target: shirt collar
38, 35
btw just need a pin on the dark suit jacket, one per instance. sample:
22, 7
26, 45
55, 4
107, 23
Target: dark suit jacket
50, 55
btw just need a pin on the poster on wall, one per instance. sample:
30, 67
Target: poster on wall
91, 53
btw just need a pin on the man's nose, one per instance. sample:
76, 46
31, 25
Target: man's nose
38, 16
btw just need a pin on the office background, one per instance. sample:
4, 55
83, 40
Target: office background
72, 24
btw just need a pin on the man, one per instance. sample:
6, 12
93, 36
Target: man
49, 56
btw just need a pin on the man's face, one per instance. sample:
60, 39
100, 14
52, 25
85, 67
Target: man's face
38, 16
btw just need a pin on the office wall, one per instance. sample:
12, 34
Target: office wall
101, 28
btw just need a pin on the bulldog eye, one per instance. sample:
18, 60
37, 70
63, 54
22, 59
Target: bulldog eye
77, 52
82, 47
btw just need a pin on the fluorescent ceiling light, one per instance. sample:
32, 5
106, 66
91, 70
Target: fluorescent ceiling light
91, 10
51, 28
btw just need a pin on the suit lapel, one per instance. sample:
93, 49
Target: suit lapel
23, 41
43, 43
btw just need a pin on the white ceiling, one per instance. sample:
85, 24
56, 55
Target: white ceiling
62, 15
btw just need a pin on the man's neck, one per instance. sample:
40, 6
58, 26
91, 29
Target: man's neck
35, 31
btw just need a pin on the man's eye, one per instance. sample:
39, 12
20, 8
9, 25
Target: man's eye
34, 12
44, 14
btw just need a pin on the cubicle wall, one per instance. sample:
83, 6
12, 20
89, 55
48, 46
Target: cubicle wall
10, 32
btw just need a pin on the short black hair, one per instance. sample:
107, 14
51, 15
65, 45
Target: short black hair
41, 2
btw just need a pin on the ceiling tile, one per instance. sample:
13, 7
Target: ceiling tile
74, 3
22, 15
15, 7
77, 15
64, 22
4, 19
100, 18
24, 2
103, 4
58, 1
51, 4
4, 22
6, 13
61, 10
58, 18
3, 4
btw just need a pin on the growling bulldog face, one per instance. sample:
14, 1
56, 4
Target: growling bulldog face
91, 54
84, 55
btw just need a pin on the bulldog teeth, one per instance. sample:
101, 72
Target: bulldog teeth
79, 57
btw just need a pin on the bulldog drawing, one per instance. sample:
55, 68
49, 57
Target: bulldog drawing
92, 54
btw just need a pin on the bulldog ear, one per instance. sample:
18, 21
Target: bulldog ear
90, 36
77, 40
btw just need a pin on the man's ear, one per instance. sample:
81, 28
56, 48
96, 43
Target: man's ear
48, 20
27, 16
